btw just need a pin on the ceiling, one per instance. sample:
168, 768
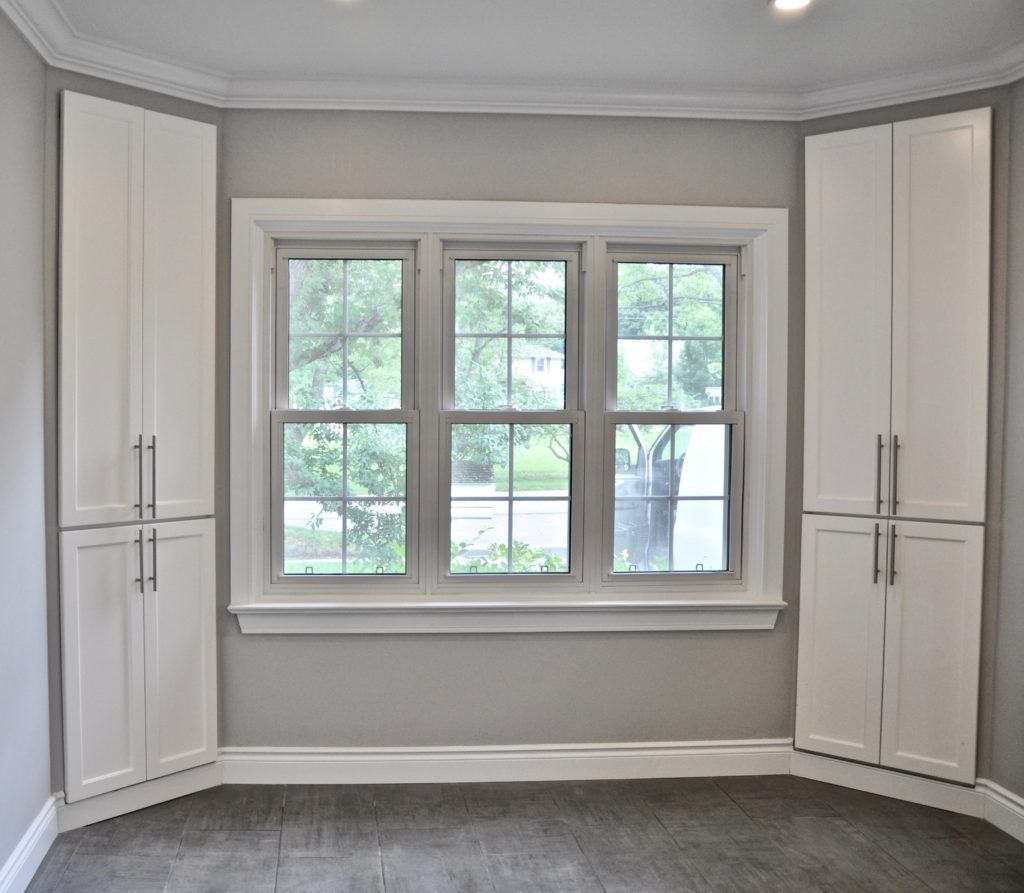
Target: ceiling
721, 58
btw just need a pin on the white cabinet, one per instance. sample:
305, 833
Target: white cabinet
842, 629
932, 640
138, 653
138, 204
897, 319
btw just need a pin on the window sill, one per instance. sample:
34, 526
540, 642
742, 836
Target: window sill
506, 617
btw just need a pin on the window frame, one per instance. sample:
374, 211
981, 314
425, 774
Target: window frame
429, 605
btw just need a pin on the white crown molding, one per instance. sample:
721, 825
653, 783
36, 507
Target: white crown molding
44, 26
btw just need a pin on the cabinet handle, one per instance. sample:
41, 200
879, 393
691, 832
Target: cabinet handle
138, 579
152, 542
895, 471
152, 471
892, 555
875, 570
879, 446
138, 446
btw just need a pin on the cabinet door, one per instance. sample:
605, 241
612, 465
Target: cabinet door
100, 311
932, 641
842, 626
849, 311
181, 672
941, 183
179, 248
102, 637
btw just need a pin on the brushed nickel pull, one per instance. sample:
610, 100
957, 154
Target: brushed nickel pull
152, 542
879, 446
874, 562
892, 555
138, 579
895, 472
138, 505
152, 467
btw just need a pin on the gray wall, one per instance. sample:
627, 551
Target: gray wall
1007, 728
25, 735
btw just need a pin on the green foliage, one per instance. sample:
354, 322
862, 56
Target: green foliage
525, 559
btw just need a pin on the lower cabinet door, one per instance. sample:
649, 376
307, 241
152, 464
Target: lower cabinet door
181, 680
842, 625
932, 644
103, 663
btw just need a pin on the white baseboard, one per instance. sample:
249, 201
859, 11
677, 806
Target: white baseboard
529, 762
137, 796
889, 783
1003, 808
24, 861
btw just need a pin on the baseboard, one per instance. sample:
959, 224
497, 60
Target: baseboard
137, 796
1003, 808
24, 861
890, 783
529, 762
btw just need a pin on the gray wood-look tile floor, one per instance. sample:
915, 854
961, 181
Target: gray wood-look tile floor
763, 833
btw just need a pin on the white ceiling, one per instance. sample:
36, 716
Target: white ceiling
729, 58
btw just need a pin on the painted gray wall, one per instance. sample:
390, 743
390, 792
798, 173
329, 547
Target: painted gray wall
1007, 765
25, 735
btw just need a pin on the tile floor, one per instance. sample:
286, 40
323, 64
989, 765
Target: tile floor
765, 833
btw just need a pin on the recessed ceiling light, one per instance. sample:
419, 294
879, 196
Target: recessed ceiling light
789, 5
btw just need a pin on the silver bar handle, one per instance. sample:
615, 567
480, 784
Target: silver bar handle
138, 446
895, 473
892, 555
879, 446
875, 570
152, 471
152, 542
138, 579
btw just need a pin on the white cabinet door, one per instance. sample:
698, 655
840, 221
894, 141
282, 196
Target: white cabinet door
941, 182
179, 246
104, 674
849, 311
842, 624
100, 311
932, 640
181, 671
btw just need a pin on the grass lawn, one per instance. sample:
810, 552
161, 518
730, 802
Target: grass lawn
537, 468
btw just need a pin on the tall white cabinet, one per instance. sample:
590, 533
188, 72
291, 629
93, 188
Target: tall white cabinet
895, 442
136, 443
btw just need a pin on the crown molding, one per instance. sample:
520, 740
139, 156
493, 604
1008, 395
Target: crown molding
46, 29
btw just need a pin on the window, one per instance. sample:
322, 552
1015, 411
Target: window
433, 414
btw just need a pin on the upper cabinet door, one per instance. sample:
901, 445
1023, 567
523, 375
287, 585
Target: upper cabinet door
849, 312
932, 642
941, 184
100, 311
179, 248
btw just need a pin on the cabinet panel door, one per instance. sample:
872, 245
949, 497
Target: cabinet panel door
842, 627
100, 311
102, 638
941, 183
181, 671
179, 247
932, 641
849, 311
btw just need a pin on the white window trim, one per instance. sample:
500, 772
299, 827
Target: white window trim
762, 341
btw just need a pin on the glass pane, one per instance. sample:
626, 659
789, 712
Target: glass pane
481, 373
704, 460
697, 374
479, 537
641, 535
479, 460
375, 541
376, 460
481, 296
538, 297
374, 377
699, 536
313, 542
642, 375
315, 296
538, 373
541, 460
697, 300
643, 298
316, 377
319, 377
375, 296
314, 460
540, 537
